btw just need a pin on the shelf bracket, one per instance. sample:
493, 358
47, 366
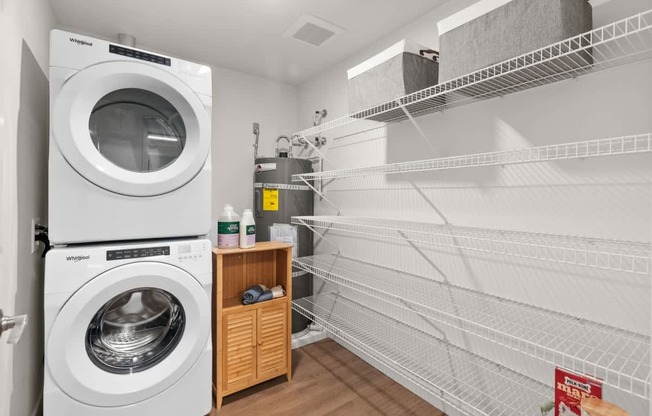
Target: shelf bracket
321, 195
318, 234
415, 124
321, 180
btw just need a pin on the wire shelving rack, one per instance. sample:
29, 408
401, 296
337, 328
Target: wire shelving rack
614, 255
639, 143
465, 381
623, 42
618, 357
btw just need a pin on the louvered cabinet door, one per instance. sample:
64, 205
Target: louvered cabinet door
272, 341
239, 346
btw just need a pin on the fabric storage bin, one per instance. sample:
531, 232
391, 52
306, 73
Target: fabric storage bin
492, 31
397, 71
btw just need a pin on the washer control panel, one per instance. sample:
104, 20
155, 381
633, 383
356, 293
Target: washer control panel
136, 253
191, 251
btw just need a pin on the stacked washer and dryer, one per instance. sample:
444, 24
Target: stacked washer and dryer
128, 282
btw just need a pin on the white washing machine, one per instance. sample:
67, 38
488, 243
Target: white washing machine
130, 138
127, 329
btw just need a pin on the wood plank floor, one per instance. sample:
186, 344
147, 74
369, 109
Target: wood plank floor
327, 380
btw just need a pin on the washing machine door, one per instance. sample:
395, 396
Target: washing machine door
131, 128
128, 334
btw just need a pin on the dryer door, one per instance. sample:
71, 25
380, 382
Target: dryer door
131, 128
129, 334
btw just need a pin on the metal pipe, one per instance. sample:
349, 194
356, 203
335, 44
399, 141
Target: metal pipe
126, 39
257, 133
289, 145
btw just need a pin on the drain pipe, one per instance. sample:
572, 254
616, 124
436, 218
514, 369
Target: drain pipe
127, 40
257, 134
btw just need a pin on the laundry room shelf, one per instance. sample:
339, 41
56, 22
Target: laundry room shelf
618, 357
469, 383
614, 255
639, 143
619, 43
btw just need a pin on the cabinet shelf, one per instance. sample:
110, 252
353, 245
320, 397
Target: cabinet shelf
465, 381
614, 255
618, 357
640, 143
619, 43
236, 304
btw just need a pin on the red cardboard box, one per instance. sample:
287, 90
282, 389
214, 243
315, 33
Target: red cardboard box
570, 389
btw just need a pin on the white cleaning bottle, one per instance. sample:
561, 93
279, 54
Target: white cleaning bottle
228, 228
247, 230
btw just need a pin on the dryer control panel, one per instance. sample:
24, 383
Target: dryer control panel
136, 54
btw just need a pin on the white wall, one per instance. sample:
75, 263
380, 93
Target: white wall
608, 197
24, 37
239, 100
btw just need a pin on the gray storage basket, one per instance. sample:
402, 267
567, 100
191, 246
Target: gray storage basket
398, 76
513, 29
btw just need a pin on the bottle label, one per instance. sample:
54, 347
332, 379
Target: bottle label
228, 234
228, 227
250, 235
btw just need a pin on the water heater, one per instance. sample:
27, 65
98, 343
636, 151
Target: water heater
276, 200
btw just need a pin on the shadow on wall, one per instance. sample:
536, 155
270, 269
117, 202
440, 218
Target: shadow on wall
32, 162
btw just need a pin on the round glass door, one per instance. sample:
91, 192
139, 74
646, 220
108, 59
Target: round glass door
137, 130
129, 334
135, 330
131, 128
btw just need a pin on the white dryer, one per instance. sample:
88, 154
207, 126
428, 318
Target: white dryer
130, 138
127, 329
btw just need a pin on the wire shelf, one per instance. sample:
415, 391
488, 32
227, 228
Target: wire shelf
465, 381
640, 143
614, 255
618, 357
619, 43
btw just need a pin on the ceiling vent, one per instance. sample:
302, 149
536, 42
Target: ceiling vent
312, 30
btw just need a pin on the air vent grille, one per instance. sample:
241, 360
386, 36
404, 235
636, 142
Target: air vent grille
312, 30
313, 34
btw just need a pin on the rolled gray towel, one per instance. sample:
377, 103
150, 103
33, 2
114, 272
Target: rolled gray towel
252, 294
266, 295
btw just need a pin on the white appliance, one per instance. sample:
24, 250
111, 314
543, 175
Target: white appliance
127, 329
130, 137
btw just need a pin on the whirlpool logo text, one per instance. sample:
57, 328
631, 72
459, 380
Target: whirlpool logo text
77, 258
81, 42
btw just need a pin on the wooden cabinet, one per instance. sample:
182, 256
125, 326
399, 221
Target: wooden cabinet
272, 352
252, 343
239, 349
